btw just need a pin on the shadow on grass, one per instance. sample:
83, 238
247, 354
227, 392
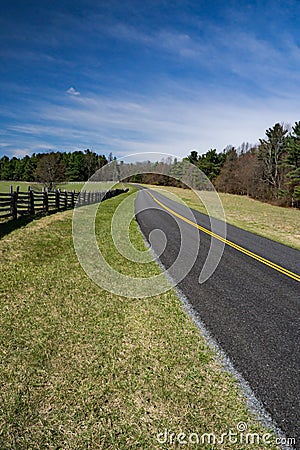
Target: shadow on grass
14, 224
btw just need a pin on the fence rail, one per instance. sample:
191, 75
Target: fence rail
16, 203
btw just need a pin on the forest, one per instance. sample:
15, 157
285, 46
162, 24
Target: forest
53, 167
267, 171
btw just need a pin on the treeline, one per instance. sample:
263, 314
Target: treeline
268, 171
53, 167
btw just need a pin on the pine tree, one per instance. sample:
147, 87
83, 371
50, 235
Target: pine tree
271, 152
292, 161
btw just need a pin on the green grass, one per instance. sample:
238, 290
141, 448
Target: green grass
274, 222
82, 368
76, 186
92, 186
23, 185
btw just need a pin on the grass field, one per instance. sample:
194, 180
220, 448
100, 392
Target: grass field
91, 186
23, 185
76, 186
82, 368
274, 222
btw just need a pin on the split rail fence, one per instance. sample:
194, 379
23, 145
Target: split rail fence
17, 203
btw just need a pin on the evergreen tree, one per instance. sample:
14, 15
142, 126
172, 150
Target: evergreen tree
292, 161
193, 157
91, 163
271, 152
29, 167
76, 167
101, 161
210, 163
5, 169
19, 170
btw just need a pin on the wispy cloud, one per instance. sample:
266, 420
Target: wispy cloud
222, 51
160, 124
192, 81
73, 91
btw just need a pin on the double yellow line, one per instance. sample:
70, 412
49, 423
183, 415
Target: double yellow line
265, 261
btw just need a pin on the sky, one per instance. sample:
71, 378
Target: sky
127, 76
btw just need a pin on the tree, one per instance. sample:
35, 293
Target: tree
228, 180
29, 167
50, 170
101, 161
76, 167
270, 152
292, 161
5, 168
90, 159
193, 157
249, 174
19, 170
210, 163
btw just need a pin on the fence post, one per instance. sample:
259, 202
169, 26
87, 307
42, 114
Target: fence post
57, 195
65, 199
16, 198
45, 200
13, 203
30, 201
73, 199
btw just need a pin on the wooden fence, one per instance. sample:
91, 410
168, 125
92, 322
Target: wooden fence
17, 203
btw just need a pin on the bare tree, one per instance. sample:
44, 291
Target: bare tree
50, 170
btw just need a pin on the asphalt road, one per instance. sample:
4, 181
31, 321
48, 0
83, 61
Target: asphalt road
251, 309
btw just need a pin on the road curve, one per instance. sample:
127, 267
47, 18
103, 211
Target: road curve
251, 308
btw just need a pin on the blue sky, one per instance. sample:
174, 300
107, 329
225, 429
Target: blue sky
145, 76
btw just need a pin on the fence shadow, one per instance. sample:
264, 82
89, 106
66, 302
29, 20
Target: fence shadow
82, 199
14, 224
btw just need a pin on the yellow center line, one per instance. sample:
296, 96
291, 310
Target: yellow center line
265, 261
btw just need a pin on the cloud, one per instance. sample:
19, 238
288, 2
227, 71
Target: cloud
72, 91
161, 123
224, 52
